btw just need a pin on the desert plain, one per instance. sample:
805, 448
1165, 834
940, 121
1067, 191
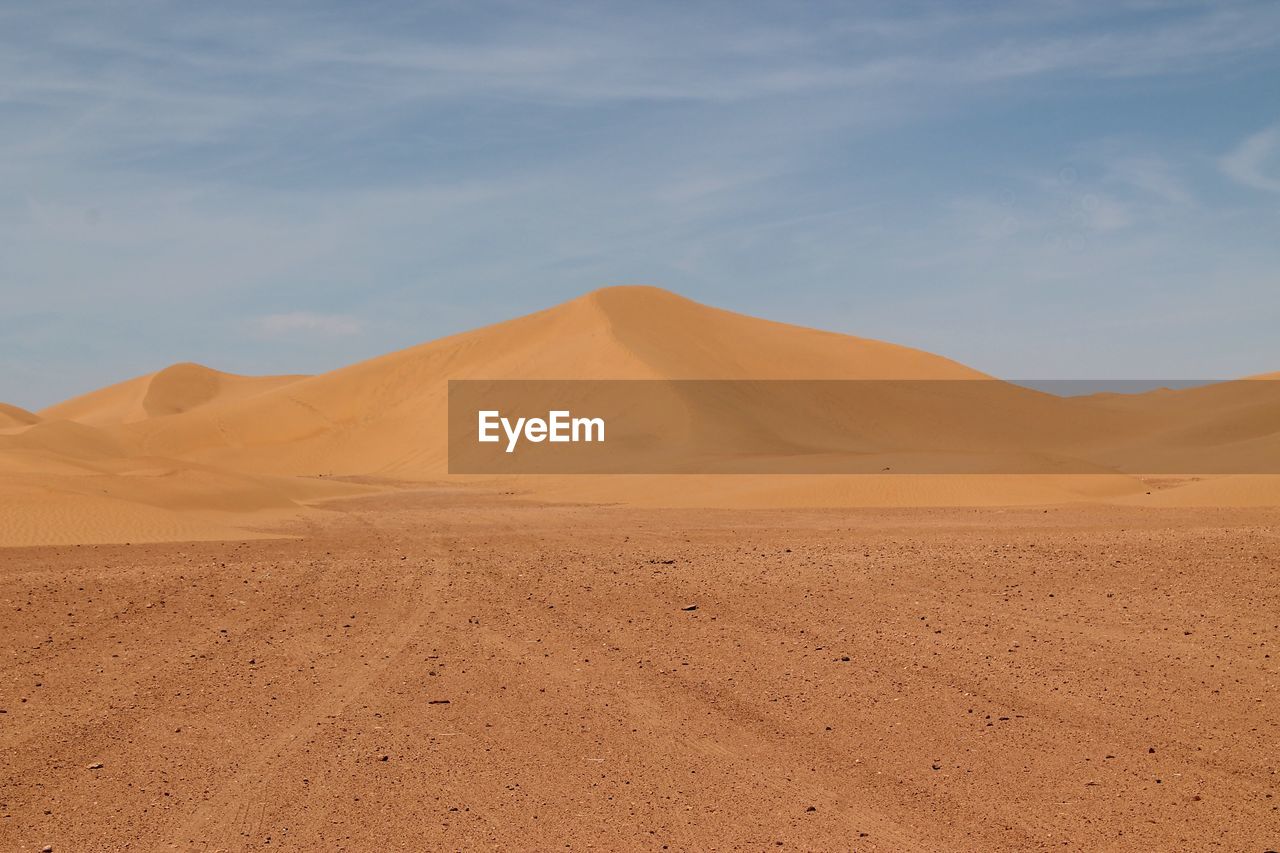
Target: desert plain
255, 613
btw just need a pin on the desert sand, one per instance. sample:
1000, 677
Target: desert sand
443, 669
259, 613
192, 452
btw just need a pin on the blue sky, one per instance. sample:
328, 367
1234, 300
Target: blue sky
1056, 189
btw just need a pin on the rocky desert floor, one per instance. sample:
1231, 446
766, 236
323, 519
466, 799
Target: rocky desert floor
437, 670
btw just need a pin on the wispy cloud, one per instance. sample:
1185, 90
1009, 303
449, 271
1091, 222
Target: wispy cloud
222, 70
1255, 162
174, 169
1154, 176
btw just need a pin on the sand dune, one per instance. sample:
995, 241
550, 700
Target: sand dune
388, 415
13, 417
178, 388
66, 439
63, 482
245, 446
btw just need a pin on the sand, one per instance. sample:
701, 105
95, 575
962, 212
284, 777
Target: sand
444, 669
178, 388
258, 613
260, 446
14, 417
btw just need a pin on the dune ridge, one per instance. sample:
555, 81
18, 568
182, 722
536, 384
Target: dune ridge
215, 452
15, 417
177, 388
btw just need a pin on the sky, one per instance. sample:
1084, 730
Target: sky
1057, 189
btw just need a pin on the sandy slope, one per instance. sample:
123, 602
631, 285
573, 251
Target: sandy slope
387, 418
48, 499
64, 483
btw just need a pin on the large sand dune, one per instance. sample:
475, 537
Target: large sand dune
388, 415
247, 446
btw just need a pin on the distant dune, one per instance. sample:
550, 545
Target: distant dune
178, 388
12, 417
191, 452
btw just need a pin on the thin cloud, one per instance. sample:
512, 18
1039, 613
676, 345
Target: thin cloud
1104, 213
1153, 176
1255, 162
182, 171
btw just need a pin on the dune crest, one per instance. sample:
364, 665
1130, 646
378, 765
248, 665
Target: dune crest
178, 388
15, 417
683, 339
